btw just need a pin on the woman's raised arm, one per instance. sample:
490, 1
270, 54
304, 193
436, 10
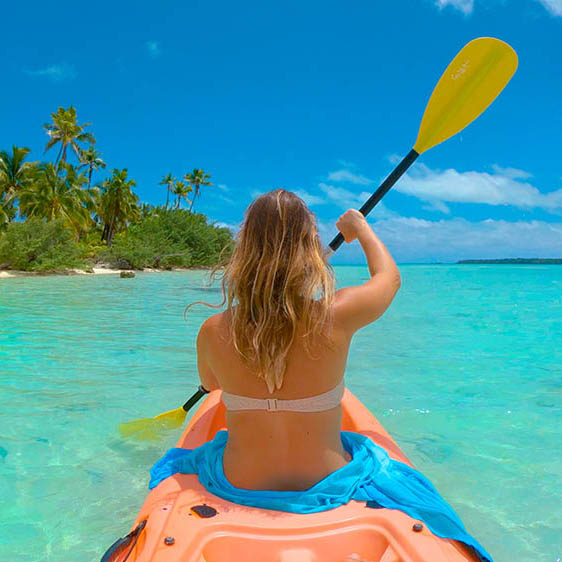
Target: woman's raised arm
358, 306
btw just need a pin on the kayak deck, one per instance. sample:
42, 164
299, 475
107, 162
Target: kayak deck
236, 533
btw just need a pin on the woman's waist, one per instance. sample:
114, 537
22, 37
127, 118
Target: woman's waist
247, 426
282, 466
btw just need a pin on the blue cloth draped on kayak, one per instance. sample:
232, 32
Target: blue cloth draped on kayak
371, 475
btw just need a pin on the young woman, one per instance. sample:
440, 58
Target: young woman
284, 336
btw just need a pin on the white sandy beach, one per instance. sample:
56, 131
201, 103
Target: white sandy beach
5, 273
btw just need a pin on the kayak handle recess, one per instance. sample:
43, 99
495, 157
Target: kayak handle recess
119, 546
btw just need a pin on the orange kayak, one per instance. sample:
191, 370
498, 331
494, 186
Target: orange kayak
181, 521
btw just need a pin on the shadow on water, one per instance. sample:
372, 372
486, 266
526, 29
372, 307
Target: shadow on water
204, 289
95, 476
433, 448
142, 453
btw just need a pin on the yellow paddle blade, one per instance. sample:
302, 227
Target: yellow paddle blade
151, 429
472, 81
172, 419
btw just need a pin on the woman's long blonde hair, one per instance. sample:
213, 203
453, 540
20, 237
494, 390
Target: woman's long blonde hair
276, 280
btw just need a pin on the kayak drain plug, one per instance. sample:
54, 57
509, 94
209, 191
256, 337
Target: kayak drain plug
417, 527
169, 541
204, 510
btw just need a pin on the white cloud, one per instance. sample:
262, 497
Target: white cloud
346, 199
465, 6
511, 172
153, 48
347, 163
417, 240
223, 187
503, 187
450, 240
412, 239
347, 176
381, 211
309, 198
553, 6
56, 72
343, 197
437, 206
339, 196
395, 159
233, 227
224, 198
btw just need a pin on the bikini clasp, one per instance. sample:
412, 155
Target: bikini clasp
271, 404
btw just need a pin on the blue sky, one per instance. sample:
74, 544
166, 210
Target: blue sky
316, 97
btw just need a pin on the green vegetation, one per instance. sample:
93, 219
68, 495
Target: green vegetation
41, 245
52, 218
168, 238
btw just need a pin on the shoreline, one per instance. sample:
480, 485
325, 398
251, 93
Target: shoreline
100, 270
9, 273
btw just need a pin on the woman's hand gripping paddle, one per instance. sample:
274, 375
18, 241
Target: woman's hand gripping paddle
468, 86
471, 82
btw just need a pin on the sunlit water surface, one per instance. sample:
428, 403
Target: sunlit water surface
464, 370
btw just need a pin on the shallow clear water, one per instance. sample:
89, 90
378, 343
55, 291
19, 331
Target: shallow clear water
464, 370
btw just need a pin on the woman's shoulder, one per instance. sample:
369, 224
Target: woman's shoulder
216, 325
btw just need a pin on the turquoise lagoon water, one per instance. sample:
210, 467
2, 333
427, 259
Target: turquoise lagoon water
464, 370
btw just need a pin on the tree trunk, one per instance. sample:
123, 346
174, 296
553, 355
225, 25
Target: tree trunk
58, 155
167, 196
193, 199
90, 177
112, 225
110, 230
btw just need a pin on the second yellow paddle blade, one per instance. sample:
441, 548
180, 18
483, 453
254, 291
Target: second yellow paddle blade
470, 84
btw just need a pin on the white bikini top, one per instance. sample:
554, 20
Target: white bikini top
318, 403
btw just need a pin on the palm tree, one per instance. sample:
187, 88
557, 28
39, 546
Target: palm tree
196, 179
65, 130
181, 191
91, 158
168, 180
4, 215
51, 195
118, 204
14, 175
146, 210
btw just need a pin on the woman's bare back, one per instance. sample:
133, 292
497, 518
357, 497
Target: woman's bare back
295, 450
279, 450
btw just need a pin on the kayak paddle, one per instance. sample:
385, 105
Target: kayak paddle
471, 82
150, 428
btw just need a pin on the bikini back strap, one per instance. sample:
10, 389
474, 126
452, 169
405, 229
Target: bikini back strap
318, 403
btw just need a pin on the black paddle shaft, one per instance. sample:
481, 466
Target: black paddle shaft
201, 391
395, 175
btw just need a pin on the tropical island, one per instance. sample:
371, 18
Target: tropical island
55, 219
505, 261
